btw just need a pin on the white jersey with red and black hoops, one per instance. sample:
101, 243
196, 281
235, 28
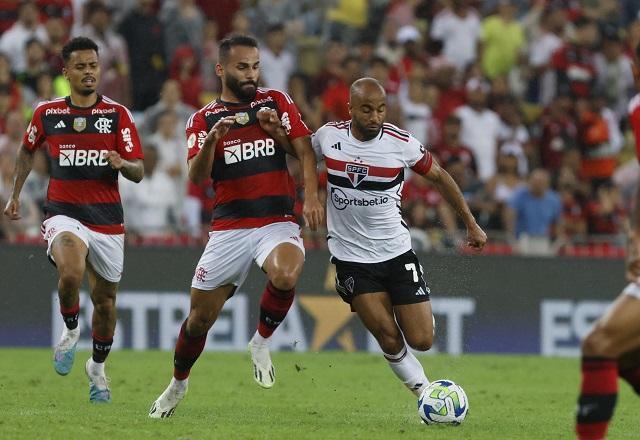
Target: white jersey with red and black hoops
364, 190
252, 185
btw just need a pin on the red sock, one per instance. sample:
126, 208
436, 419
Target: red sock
274, 305
632, 376
188, 350
70, 315
598, 396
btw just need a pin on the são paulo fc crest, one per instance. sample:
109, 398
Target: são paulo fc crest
356, 173
79, 124
242, 118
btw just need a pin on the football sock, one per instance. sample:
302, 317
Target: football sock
70, 315
632, 376
408, 369
274, 305
188, 350
598, 395
101, 347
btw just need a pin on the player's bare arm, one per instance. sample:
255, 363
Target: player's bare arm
445, 184
130, 169
633, 250
270, 122
312, 209
200, 165
24, 163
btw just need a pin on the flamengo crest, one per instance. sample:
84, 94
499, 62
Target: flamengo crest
242, 118
356, 173
79, 124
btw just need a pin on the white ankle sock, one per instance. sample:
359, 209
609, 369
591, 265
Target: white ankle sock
408, 369
258, 339
96, 368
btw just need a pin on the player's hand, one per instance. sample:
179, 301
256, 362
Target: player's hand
12, 210
114, 160
218, 131
269, 120
633, 259
313, 212
476, 237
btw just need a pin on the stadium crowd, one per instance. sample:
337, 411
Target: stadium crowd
523, 102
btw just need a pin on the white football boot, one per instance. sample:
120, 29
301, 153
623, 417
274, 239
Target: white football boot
263, 371
166, 404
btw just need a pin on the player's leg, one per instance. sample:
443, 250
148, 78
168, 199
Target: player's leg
416, 322
376, 313
629, 369
68, 250
204, 310
615, 333
280, 254
103, 325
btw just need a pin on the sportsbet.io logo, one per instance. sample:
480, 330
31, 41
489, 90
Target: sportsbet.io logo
235, 152
340, 200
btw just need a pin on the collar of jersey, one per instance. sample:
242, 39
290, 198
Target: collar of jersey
67, 99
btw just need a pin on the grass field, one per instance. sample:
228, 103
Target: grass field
322, 396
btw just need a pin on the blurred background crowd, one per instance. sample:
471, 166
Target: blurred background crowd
523, 102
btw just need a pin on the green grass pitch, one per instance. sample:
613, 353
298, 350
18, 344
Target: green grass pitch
330, 395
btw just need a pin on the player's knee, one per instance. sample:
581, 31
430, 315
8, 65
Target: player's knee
600, 342
70, 279
390, 340
285, 279
422, 342
199, 323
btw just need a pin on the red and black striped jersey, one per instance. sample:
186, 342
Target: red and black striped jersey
252, 185
82, 184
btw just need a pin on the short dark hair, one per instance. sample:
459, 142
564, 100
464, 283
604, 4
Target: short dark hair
78, 43
236, 40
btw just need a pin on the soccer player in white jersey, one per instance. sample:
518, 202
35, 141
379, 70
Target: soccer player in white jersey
377, 272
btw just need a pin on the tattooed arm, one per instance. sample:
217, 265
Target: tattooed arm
24, 162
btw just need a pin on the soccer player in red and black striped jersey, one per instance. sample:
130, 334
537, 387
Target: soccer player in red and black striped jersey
253, 212
90, 140
612, 347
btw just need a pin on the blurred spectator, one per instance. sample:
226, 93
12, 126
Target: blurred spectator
601, 140
144, 35
346, 18
185, 69
58, 33
222, 11
513, 135
62, 9
480, 127
240, 25
410, 39
534, 214
459, 29
574, 217
606, 213
114, 58
310, 107
574, 62
170, 99
12, 138
210, 82
450, 148
416, 113
501, 188
334, 55
183, 25
29, 224
35, 187
502, 38
28, 26
150, 206
276, 62
614, 71
558, 132
35, 65
7, 103
335, 99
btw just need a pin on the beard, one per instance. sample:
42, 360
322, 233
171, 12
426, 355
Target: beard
366, 132
86, 92
241, 89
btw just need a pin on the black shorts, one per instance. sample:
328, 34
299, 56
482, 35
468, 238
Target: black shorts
401, 277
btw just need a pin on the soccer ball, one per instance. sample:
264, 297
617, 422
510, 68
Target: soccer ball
443, 402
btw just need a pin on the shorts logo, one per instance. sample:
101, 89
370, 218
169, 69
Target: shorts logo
421, 292
349, 284
79, 124
242, 118
201, 274
356, 173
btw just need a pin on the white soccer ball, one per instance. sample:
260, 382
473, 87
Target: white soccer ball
443, 402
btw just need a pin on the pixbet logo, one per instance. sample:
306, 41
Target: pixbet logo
70, 158
340, 200
249, 150
56, 111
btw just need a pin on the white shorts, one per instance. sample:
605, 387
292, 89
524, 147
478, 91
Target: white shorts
632, 289
227, 257
106, 251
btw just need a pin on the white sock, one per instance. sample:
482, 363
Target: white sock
258, 339
180, 384
408, 369
71, 333
96, 368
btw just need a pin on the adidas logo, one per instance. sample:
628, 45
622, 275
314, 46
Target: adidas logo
420, 292
336, 146
60, 125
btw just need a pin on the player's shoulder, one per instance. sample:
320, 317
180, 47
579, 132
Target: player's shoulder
55, 106
634, 104
395, 134
333, 129
265, 93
